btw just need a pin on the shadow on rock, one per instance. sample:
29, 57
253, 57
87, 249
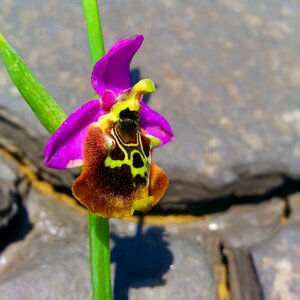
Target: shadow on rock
141, 260
18, 227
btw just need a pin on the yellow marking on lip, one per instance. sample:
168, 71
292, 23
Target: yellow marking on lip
128, 160
115, 133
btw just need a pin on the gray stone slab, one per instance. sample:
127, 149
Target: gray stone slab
231, 234
148, 262
245, 225
228, 77
160, 265
277, 263
61, 274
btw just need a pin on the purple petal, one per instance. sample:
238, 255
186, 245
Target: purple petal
112, 71
155, 124
65, 148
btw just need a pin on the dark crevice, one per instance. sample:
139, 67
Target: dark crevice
286, 209
258, 288
242, 279
225, 263
18, 227
221, 204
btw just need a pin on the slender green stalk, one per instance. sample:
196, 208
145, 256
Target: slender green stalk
94, 29
98, 227
100, 257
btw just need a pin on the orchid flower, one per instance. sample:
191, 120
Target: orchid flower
112, 139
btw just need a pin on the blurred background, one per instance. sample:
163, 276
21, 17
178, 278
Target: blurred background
228, 80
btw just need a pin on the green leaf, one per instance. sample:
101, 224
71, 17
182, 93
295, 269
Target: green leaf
41, 102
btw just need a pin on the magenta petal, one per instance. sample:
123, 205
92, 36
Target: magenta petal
112, 71
65, 148
155, 124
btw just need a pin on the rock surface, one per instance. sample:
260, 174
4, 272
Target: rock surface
227, 75
161, 262
228, 81
45, 254
277, 262
52, 262
148, 262
205, 257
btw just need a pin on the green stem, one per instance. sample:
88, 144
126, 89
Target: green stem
94, 30
100, 257
98, 227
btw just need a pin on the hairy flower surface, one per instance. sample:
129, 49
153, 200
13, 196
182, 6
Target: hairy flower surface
112, 139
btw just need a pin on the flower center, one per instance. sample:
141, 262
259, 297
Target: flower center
128, 125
